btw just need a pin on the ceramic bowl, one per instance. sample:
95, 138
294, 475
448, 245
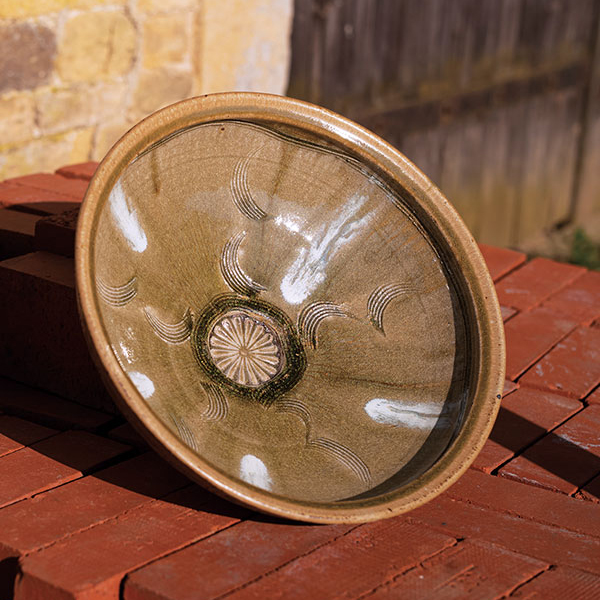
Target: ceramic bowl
288, 309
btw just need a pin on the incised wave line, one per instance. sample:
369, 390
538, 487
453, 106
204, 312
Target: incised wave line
118, 295
185, 433
240, 190
381, 297
310, 318
172, 333
233, 274
298, 409
330, 447
348, 458
217, 403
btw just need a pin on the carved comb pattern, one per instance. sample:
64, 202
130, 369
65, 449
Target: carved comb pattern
172, 333
240, 191
310, 318
185, 433
217, 403
118, 295
344, 455
232, 272
381, 297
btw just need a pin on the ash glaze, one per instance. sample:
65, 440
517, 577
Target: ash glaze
330, 263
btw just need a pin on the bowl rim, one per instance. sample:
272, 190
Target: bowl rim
280, 110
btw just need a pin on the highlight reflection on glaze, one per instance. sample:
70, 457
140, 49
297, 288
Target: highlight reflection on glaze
417, 415
126, 219
143, 383
254, 471
308, 270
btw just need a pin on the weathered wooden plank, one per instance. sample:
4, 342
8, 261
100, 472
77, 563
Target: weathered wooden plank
587, 192
357, 55
485, 96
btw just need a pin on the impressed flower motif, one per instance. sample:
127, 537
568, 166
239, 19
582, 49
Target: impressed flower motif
244, 349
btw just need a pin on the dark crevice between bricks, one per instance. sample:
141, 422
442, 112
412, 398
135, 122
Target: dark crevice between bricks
510, 272
287, 562
408, 570
524, 583
10, 567
123, 581
105, 429
524, 372
584, 401
582, 486
504, 439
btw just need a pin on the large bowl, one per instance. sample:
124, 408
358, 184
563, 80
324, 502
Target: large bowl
288, 309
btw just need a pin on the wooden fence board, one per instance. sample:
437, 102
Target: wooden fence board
485, 96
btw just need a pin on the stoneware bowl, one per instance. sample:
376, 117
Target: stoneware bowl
288, 309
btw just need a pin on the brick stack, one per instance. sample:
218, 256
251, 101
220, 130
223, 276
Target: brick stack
87, 511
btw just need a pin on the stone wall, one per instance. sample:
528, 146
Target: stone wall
76, 74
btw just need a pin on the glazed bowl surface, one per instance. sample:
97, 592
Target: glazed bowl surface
288, 309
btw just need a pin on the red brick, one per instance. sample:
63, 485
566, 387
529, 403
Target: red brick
594, 397
525, 416
561, 582
70, 508
41, 340
530, 335
17, 232
16, 433
53, 462
509, 387
531, 284
20, 194
500, 261
507, 313
572, 367
128, 435
79, 171
44, 209
580, 300
527, 502
74, 188
106, 553
382, 550
228, 560
23, 401
471, 569
553, 545
563, 460
56, 233
590, 491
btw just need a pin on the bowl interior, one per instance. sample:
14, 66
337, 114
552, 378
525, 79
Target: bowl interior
281, 309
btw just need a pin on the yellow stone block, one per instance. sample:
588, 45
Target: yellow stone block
160, 87
46, 153
96, 45
243, 45
62, 109
18, 9
156, 6
81, 145
17, 118
166, 40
